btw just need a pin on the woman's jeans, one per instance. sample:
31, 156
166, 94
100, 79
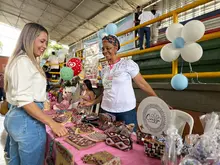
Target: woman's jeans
27, 137
128, 117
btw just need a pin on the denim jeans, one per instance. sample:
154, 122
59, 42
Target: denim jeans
27, 137
146, 31
128, 117
7, 146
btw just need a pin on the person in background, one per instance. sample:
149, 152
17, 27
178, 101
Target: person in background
155, 27
145, 17
46, 70
137, 22
118, 97
54, 65
1, 86
87, 93
25, 86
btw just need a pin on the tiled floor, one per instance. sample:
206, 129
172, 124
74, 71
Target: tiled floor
2, 141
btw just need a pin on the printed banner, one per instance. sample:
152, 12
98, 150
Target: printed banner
124, 24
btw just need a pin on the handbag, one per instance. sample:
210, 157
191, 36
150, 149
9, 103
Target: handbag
153, 148
119, 136
4, 108
119, 141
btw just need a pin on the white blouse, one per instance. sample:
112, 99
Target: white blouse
118, 95
25, 83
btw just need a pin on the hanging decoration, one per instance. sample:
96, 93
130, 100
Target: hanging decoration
42, 62
66, 73
76, 65
179, 82
183, 40
111, 29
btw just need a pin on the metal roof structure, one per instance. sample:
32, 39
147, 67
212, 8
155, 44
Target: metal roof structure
67, 21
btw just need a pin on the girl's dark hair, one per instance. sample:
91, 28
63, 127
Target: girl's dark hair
89, 85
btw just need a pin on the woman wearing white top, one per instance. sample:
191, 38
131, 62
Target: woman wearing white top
118, 97
25, 86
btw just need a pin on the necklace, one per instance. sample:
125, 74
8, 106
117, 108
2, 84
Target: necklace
111, 65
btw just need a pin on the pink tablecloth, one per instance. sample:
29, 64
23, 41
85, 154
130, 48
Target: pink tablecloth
134, 156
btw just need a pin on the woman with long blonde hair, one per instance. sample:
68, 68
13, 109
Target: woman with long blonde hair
25, 86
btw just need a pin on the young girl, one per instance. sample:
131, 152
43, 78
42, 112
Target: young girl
87, 93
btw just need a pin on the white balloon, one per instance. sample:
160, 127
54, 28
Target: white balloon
191, 52
168, 53
193, 31
174, 31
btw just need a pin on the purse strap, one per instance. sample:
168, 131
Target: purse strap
51, 147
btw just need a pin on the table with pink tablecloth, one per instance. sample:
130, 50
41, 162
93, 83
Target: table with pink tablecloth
132, 157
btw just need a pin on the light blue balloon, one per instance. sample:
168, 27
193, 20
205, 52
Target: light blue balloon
100, 32
42, 62
111, 29
179, 82
179, 42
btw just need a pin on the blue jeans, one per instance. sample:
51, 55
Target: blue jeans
27, 137
128, 117
146, 31
7, 144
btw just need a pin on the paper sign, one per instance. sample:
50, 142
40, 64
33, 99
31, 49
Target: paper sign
153, 116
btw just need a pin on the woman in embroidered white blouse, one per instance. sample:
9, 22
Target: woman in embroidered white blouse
118, 97
25, 86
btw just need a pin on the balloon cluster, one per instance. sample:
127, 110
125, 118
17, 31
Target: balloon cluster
183, 42
74, 67
111, 29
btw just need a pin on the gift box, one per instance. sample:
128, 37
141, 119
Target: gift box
153, 148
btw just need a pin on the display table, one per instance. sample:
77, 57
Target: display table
134, 156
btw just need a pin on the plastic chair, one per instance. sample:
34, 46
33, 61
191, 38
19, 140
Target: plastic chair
181, 118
